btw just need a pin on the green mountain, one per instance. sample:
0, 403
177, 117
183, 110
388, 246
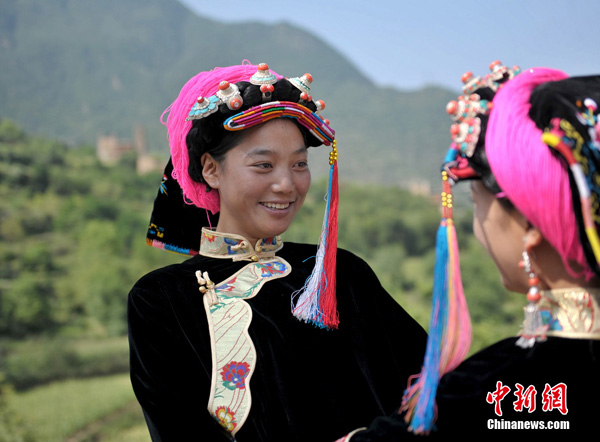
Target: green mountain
77, 69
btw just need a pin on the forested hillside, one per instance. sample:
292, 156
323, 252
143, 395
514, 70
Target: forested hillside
76, 70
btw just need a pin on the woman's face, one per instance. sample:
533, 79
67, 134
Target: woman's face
262, 182
500, 231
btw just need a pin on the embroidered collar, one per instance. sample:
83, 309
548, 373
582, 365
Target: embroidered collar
571, 313
230, 246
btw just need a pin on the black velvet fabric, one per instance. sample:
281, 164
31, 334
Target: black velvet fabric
310, 384
461, 397
174, 223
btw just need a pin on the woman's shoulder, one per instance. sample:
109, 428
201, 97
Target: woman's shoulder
552, 360
303, 251
168, 278
169, 271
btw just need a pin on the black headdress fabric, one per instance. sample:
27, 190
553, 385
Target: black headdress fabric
175, 225
565, 100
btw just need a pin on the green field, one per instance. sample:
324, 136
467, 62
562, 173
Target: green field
77, 410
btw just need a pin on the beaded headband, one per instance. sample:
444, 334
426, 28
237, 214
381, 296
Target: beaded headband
466, 113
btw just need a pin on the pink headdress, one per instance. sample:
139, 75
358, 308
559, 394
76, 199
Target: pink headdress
532, 176
204, 84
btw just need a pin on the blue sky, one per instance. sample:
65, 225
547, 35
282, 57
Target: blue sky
410, 44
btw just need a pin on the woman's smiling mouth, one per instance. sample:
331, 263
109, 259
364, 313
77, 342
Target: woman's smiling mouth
276, 206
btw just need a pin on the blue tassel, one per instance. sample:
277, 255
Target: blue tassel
424, 413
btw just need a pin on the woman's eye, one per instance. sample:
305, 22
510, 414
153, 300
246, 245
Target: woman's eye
302, 164
263, 165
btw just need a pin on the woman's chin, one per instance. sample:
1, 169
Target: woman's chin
512, 286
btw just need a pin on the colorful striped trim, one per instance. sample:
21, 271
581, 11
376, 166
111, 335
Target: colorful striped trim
278, 109
170, 248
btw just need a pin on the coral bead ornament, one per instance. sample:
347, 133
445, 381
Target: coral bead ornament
229, 94
304, 97
452, 107
235, 103
267, 91
495, 63
466, 77
263, 75
532, 325
303, 83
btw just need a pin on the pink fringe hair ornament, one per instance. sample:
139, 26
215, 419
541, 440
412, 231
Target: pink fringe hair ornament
512, 136
204, 84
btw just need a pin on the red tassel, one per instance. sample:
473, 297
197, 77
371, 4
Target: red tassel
316, 302
328, 301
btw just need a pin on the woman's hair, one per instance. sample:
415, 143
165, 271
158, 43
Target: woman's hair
529, 173
208, 135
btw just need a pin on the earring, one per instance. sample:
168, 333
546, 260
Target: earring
532, 325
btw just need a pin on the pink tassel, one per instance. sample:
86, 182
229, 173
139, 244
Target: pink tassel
458, 333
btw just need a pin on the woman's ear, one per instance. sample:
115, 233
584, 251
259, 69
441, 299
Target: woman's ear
532, 238
211, 170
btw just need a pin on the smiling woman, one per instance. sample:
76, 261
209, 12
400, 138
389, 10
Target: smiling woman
250, 339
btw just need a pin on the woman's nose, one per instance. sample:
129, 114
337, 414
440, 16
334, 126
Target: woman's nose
283, 183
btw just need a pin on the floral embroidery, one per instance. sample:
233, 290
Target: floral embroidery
272, 268
226, 418
229, 319
222, 245
571, 312
272, 241
234, 375
232, 242
228, 286
550, 321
